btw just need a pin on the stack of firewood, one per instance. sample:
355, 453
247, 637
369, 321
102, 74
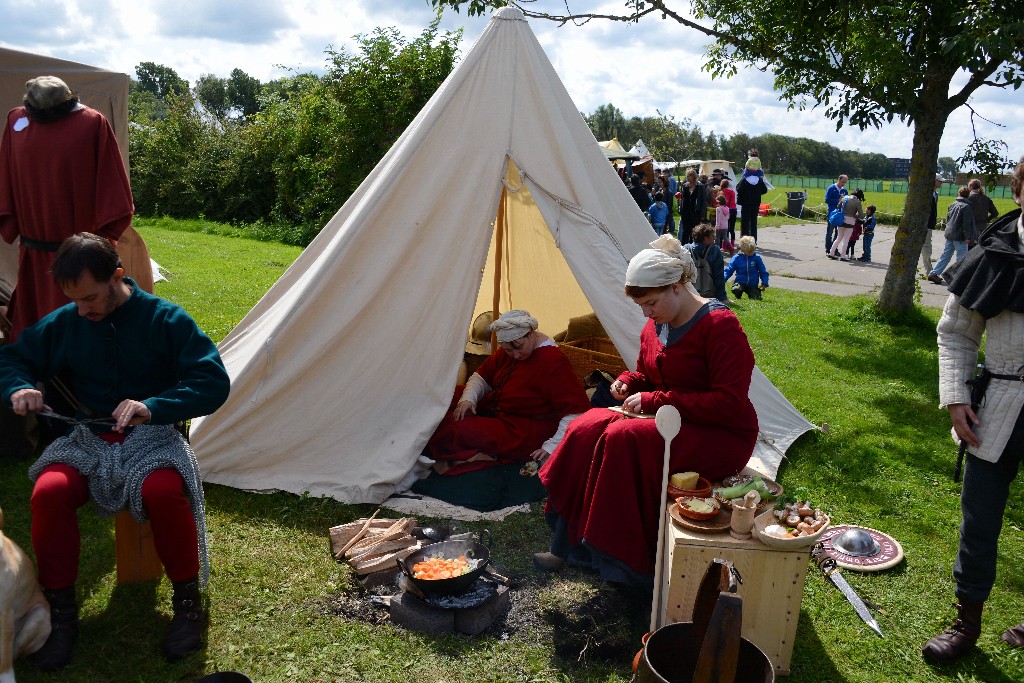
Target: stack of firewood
372, 545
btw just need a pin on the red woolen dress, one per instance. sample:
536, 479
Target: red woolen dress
605, 478
523, 410
56, 179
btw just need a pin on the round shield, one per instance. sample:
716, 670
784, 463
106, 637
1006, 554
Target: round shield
857, 552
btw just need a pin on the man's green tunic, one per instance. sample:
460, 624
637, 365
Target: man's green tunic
148, 349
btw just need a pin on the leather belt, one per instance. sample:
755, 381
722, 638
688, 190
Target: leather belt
39, 245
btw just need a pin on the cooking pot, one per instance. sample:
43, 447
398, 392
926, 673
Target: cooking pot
475, 552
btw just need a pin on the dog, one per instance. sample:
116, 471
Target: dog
24, 612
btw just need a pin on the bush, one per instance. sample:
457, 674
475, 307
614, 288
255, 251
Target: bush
295, 162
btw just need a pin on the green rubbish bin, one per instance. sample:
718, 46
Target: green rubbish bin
795, 203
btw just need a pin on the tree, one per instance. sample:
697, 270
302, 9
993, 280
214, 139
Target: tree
948, 168
606, 122
867, 63
243, 93
212, 93
162, 81
327, 133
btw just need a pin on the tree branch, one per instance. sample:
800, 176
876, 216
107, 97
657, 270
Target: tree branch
977, 79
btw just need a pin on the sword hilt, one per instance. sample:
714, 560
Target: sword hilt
825, 562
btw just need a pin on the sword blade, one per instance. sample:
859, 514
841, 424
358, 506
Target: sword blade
851, 596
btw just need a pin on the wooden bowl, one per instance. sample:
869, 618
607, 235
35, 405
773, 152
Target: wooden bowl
685, 511
766, 503
701, 490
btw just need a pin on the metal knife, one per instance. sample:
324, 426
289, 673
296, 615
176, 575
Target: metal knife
828, 567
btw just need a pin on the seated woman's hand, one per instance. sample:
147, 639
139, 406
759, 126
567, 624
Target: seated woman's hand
633, 403
463, 408
539, 455
619, 390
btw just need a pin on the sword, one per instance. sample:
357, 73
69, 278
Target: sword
828, 567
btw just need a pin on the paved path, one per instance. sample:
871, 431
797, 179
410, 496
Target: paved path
795, 257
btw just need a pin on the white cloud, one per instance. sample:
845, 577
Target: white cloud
640, 68
233, 21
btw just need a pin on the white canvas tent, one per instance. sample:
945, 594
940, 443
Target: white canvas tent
344, 368
104, 91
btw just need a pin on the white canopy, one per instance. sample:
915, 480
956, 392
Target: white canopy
344, 368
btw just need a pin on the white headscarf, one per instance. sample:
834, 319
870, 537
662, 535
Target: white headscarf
513, 325
665, 263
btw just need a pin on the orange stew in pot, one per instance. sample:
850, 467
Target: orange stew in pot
440, 568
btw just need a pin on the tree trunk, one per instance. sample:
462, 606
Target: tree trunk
897, 295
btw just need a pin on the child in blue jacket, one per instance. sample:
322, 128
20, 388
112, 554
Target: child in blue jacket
657, 213
748, 267
869, 233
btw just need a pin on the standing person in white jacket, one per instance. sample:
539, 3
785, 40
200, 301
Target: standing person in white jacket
986, 299
853, 213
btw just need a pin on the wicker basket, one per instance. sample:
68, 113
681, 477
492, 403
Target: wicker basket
593, 353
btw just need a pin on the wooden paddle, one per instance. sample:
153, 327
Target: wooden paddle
668, 422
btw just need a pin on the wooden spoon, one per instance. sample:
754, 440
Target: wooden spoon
668, 422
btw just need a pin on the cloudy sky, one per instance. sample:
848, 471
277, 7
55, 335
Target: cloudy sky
599, 63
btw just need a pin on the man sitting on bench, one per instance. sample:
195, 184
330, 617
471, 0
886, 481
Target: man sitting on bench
135, 365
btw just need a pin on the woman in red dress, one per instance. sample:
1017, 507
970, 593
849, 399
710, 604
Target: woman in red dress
604, 480
514, 408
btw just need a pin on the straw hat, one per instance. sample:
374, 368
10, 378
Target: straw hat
480, 335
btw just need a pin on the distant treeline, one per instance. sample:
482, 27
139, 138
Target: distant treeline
283, 156
671, 140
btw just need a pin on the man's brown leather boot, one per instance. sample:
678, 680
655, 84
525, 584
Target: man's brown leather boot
957, 640
1014, 636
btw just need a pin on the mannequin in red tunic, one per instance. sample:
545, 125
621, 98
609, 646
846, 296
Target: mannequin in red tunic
61, 173
514, 408
604, 479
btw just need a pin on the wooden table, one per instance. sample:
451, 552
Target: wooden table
772, 588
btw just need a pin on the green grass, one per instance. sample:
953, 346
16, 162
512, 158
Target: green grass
277, 598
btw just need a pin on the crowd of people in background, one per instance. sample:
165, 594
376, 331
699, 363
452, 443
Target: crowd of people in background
716, 202
708, 209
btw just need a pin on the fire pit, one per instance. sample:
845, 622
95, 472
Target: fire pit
469, 612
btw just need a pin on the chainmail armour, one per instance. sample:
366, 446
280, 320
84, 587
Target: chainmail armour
116, 471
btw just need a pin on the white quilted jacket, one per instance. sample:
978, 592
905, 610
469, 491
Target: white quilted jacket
959, 332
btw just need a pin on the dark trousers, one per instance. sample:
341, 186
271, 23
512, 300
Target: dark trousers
732, 226
753, 291
986, 488
748, 220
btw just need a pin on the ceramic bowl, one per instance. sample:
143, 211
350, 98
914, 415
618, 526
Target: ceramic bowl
766, 519
701, 490
685, 511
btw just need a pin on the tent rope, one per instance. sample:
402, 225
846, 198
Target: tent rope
565, 204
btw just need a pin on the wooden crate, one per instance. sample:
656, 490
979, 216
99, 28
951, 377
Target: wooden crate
772, 588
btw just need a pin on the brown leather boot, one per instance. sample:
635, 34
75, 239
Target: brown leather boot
1014, 636
957, 640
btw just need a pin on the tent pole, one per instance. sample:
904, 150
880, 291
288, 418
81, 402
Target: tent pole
498, 248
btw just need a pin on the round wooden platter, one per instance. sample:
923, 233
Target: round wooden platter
715, 525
